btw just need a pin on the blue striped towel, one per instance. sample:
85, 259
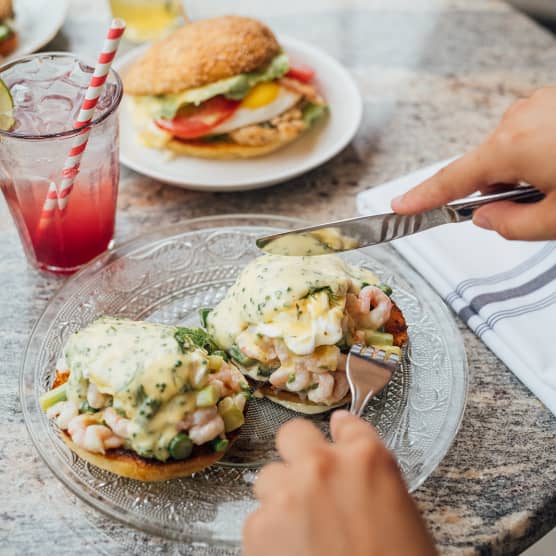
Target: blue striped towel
505, 291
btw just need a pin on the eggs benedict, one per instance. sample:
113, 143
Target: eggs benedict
221, 88
288, 321
146, 401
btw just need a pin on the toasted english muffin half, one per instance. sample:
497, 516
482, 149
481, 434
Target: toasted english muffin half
127, 463
292, 401
396, 326
201, 53
180, 368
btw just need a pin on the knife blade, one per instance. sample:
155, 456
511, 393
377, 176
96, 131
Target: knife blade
365, 231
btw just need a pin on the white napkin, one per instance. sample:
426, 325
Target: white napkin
505, 291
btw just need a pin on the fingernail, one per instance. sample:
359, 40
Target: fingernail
341, 414
397, 200
482, 222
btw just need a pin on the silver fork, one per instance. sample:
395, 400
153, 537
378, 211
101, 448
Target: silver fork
368, 371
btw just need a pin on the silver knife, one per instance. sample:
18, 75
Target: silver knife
363, 231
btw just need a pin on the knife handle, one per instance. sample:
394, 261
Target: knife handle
463, 209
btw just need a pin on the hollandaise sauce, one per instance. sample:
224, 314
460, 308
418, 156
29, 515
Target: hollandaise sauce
286, 320
159, 379
289, 293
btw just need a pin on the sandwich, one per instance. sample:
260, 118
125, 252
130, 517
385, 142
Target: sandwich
221, 88
8, 37
288, 322
146, 401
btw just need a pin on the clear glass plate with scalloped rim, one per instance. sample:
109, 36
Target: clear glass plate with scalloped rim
166, 276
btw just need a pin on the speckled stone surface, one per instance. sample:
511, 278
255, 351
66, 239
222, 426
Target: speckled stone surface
435, 76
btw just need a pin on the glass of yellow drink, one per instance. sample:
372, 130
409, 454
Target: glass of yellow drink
148, 20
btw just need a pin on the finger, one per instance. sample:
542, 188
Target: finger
460, 178
254, 535
527, 222
347, 428
297, 439
269, 480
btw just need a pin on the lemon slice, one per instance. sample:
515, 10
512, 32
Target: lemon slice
6, 108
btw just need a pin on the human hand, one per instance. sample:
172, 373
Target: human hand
521, 148
346, 498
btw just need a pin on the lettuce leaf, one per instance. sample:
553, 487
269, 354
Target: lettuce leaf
312, 112
236, 87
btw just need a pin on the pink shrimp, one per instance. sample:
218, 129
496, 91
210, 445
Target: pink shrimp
86, 433
324, 389
117, 423
341, 386
207, 424
227, 379
256, 346
371, 309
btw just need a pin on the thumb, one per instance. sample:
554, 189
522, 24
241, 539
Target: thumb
529, 222
345, 427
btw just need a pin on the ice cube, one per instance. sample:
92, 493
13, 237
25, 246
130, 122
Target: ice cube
22, 95
107, 97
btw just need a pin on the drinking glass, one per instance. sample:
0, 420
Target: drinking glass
47, 91
148, 20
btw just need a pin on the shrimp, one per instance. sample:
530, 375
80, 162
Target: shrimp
118, 424
298, 380
293, 379
324, 359
62, 413
323, 391
99, 438
360, 309
87, 434
95, 399
227, 379
198, 417
256, 346
207, 424
280, 376
341, 386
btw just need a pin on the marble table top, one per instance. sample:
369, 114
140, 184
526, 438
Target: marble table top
435, 77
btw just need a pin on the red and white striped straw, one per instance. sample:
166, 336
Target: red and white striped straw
58, 198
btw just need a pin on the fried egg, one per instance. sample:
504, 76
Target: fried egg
263, 102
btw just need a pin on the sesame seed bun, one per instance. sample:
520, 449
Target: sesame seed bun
201, 53
224, 149
6, 9
126, 463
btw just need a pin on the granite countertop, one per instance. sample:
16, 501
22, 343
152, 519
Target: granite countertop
435, 77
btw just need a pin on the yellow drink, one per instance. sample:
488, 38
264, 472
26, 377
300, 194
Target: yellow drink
148, 19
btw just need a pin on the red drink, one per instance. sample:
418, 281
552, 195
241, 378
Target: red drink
47, 91
72, 238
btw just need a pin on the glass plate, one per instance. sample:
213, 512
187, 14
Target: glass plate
166, 276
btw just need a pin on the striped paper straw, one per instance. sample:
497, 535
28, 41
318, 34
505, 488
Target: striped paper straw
96, 86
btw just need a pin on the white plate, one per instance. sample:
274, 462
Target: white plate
36, 23
317, 146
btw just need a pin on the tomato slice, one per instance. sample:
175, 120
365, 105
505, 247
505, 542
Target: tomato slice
195, 121
302, 73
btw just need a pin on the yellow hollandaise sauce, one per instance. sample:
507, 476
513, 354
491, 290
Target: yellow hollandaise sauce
298, 299
152, 380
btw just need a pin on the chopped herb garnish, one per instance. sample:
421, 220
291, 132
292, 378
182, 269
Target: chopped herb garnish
189, 338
